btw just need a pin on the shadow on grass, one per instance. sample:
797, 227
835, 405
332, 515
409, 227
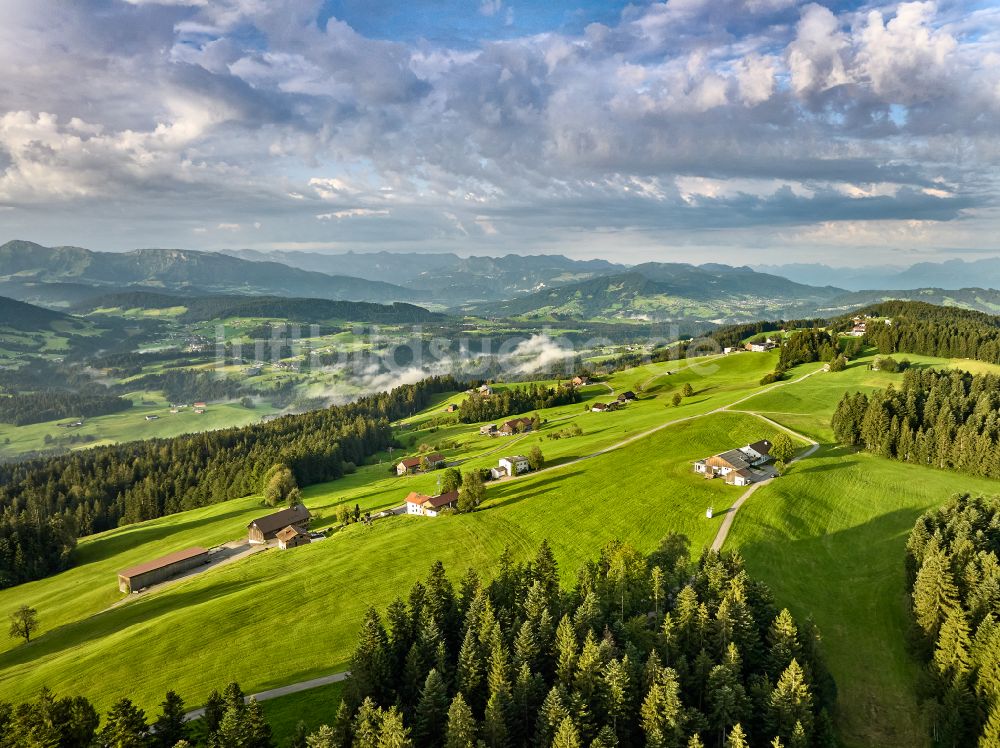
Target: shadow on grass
116, 620
132, 537
852, 583
548, 484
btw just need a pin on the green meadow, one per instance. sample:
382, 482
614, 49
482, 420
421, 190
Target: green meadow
828, 538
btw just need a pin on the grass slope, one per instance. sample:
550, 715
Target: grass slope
236, 622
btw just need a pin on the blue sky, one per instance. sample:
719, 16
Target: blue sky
725, 130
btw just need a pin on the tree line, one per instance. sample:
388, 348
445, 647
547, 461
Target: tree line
72, 722
48, 405
512, 401
953, 573
946, 419
48, 502
643, 650
948, 332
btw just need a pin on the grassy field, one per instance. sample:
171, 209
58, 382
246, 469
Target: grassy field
828, 538
129, 425
221, 625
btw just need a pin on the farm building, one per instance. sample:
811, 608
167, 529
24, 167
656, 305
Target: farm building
735, 464
580, 381
413, 464
598, 407
510, 466
489, 429
485, 390
451, 408
266, 528
160, 569
515, 426
627, 396
417, 504
292, 537
767, 345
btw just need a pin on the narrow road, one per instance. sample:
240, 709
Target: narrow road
648, 432
274, 693
727, 521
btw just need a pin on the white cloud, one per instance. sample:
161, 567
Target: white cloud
351, 213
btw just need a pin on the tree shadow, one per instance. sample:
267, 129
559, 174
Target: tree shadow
547, 485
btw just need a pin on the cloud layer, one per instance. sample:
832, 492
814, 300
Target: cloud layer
691, 129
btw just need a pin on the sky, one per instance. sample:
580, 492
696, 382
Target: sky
741, 131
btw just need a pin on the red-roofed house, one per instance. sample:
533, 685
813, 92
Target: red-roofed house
413, 464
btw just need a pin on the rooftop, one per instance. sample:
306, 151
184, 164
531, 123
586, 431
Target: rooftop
159, 563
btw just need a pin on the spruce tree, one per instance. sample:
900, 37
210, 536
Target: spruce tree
170, 727
737, 738
124, 727
392, 732
432, 712
461, 729
791, 702
324, 737
566, 651
567, 736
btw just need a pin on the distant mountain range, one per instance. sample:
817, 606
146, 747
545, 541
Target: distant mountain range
950, 274
25, 266
445, 277
662, 292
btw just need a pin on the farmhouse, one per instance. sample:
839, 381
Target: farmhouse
598, 407
515, 426
626, 396
292, 537
266, 528
736, 464
413, 464
421, 505
489, 429
200, 405
510, 466
580, 381
758, 347
485, 390
160, 569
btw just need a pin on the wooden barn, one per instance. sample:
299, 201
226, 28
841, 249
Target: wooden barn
266, 528
292, 537
160, 569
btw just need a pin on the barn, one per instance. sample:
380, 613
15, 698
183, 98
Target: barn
292, 537
266, 528
160, 569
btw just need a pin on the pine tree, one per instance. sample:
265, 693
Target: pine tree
461, 729
470, 672
934, 593
432, 711
617, 691
170, 727
661, 711
554, 710
951, 656
324, 737
392, 732
737, 738
567, 736
370, 663
125, 727
566, 651
791, 702
367, 725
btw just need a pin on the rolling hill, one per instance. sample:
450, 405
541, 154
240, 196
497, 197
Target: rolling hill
446, 276
26, 317
23, 262
667, 292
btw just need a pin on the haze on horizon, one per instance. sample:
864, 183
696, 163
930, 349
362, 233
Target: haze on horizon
740, 131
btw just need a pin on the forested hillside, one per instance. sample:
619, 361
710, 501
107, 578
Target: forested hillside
954, 575
48, 405
652, 651
514, 401
916, 327
201, 308
948, 419
46, 502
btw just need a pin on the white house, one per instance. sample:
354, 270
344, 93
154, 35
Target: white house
420, 505
513, 465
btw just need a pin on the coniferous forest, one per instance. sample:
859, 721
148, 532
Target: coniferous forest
947, 419
641, 651
512, 401
954, 577
948, 332
48, 502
